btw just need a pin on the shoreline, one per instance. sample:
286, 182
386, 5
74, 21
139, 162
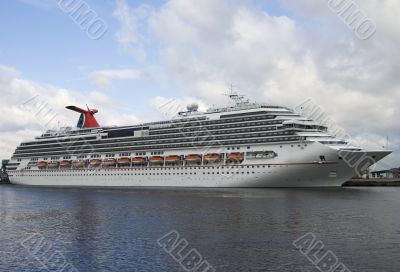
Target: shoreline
372, 182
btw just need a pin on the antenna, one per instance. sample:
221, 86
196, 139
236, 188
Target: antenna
231, 88
387, 142
233, 95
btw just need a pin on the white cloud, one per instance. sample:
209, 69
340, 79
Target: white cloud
9, 140
29, 108
130, 34
99, 99
169, 107
104, 78
206, 45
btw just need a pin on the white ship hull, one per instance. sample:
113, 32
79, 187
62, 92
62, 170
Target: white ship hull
293, 168
289, 175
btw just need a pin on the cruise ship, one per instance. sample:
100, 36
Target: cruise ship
245, 144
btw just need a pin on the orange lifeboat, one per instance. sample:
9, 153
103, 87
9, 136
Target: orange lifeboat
78, 164
193, 158
53, 164
172, 158
156, 159
109, 162
138, 160
212, 157
124, 161
41, 164
95, 163
235, 156
65, 164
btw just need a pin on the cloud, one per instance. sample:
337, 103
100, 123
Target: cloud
104, 78
206, 45
169, 107
130, 35
99, 98
30, 108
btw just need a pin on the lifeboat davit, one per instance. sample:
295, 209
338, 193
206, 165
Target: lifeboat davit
95, 163
138, 160
124, 161
109, 162
41, 164
172, 158
156, 160
78, 164
53, 164
212, 157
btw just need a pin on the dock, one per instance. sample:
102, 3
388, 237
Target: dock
3, 174
372, 182
4, 178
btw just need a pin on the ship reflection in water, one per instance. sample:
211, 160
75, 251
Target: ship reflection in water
233, 229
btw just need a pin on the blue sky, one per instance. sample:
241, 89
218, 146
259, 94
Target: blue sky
45, 45
279, 51
41, 33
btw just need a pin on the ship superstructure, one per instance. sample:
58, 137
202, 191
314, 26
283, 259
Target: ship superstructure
243, 145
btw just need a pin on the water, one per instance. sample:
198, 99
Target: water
233, 229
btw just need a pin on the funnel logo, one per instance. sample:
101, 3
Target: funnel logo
87, 119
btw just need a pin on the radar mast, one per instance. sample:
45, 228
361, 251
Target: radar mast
236, 97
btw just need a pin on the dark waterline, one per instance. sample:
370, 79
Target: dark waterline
233, 229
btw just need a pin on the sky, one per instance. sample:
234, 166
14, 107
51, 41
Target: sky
148, 53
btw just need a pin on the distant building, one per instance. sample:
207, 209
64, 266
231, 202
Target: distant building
390, 173
3, 165
3, 174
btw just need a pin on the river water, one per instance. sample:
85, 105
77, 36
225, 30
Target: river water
54, 229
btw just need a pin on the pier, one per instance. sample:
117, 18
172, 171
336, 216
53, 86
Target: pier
4, 178
372, 182
3, 173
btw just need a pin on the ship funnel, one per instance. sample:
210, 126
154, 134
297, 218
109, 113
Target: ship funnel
87, 119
